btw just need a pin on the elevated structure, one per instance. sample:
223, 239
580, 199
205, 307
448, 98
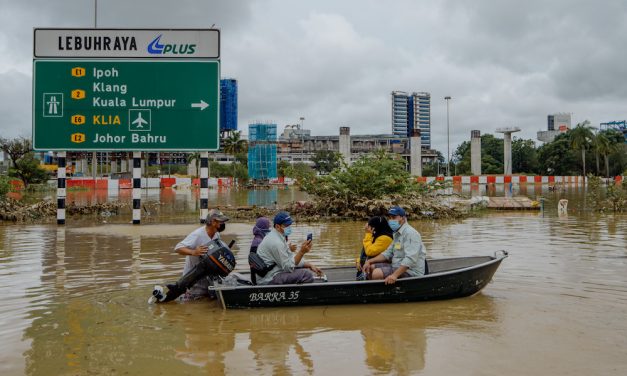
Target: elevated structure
345, 144
415, 151
507, 147
475, 152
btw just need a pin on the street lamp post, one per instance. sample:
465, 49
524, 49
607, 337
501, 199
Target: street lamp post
448, 140
302, 140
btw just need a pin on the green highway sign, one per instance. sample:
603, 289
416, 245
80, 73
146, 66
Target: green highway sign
130, 105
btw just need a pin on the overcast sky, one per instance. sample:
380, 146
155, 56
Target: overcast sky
335, 63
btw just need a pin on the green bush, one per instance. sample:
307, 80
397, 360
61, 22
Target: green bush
5, 187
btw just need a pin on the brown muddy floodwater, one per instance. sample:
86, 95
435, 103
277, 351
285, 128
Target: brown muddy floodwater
75, 303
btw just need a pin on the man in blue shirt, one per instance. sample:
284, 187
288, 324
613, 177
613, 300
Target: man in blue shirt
405, 257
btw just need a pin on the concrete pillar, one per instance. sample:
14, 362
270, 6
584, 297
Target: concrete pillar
345, 144
475, 152
507, 148
84, 166
191, 168
114, 167
507, 153
94, 165
123, 165
415, 147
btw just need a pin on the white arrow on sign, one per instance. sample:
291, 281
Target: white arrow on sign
202, 105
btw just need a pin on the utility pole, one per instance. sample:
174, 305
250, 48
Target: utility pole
448, 139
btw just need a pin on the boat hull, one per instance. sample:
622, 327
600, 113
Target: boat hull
439, 285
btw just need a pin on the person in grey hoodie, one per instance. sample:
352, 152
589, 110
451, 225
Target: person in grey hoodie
289, 265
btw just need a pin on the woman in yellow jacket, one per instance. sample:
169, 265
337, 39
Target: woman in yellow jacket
377, 239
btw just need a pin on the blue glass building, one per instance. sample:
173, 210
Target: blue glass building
228, 104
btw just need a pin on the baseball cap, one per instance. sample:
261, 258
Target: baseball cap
283, 218
217, 215
397, 210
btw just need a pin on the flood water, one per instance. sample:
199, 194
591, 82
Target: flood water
75, 302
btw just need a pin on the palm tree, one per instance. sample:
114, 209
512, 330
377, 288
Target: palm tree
597, 140
580, 139
194, 157
233, 144
607, 147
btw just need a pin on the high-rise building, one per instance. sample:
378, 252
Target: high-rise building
422, 117
400, 117
228, 105
412, 111
558, 122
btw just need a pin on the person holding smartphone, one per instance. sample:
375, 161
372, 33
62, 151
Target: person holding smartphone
289, 266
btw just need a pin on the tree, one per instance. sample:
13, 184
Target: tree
16, 148
233, 144
372, 176
5, 187
580, 139
194, 157
608, 142
491, 156
326, 161
557, 157
524, 156
28, 170
282, 168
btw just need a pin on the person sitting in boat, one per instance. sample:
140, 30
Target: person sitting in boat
260, 230
195, 245
405, 257
289, 267
376, 240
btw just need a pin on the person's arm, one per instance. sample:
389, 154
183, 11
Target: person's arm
368, 264
380, 244
312, 267
186, 246
391, 279
198, 251
298, 256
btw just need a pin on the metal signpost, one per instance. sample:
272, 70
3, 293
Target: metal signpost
126, 90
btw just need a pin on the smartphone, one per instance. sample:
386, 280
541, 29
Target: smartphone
309, 237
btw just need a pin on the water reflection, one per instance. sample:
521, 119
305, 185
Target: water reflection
75, 302
379, 339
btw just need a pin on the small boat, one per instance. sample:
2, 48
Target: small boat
447, 278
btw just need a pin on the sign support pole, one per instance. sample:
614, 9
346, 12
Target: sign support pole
61, 190
137, 187
204, 185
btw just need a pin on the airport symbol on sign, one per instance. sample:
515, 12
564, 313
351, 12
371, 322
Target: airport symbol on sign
53, 105
139, 120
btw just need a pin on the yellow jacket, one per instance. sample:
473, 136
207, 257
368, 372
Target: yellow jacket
380, 244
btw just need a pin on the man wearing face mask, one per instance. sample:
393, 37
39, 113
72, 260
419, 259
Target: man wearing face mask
289, 267
405, 257
195, 244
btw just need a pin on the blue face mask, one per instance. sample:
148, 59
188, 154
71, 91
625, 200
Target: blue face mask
287, 231
394, 224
